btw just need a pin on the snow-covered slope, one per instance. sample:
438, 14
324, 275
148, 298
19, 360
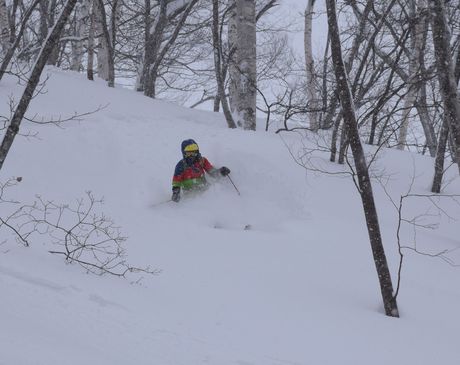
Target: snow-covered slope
299, 287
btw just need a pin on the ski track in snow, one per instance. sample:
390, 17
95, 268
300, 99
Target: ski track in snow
25, 278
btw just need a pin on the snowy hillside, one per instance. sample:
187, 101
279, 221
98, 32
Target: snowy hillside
299, 287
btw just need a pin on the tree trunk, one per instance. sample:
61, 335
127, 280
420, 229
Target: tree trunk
43, 30
47, 8
160, 55
373, 128
324, 88
4, 27
335, 136
10, 53
152, 47
141, 72
446, 75
102, 47
444, 137
421, 103
107, 59
439, 160
91, 43
343, 144
414, 68
82, 13
218, 64
154, 53
357, 40
364, 183
246, 57
216, 107
233, 74
418, 30
312, 95
426, 121
47, 48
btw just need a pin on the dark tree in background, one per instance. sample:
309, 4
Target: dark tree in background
364, 182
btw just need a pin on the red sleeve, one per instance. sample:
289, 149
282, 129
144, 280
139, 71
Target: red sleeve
207, 165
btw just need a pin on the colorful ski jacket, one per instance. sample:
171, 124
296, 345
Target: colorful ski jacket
192, 176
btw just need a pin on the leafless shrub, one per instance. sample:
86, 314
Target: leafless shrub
436, 209
80, 232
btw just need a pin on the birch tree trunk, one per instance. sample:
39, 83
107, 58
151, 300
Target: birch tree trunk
103, 44
82, 14
312, 95
4, 27
446, 75
107, 40
46, 50
364, 182
426, 120
233, 74
115, 17
417, 14
141, 71
247, 67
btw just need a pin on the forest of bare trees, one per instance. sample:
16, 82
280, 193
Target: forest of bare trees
198, 52
388, 76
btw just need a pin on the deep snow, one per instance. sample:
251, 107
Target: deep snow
300, 287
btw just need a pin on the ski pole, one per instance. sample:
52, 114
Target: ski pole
233, 184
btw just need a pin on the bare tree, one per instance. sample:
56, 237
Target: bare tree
246, 61
218, 65
446, 75
364, 184
91, 40
34, 79
80, 27
156, 47
106, 57
16, 39
417, 12
79, 232
4, 26
312, 96
233, 74
47, 10
443, 138
440, 157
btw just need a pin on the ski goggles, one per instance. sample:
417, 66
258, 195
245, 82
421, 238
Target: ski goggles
191, 153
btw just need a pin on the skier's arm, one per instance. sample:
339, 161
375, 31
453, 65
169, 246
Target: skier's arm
177, 182
211, 170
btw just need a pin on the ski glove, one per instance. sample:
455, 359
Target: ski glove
176, 194
224, 171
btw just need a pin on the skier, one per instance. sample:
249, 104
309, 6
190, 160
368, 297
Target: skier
189, 174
